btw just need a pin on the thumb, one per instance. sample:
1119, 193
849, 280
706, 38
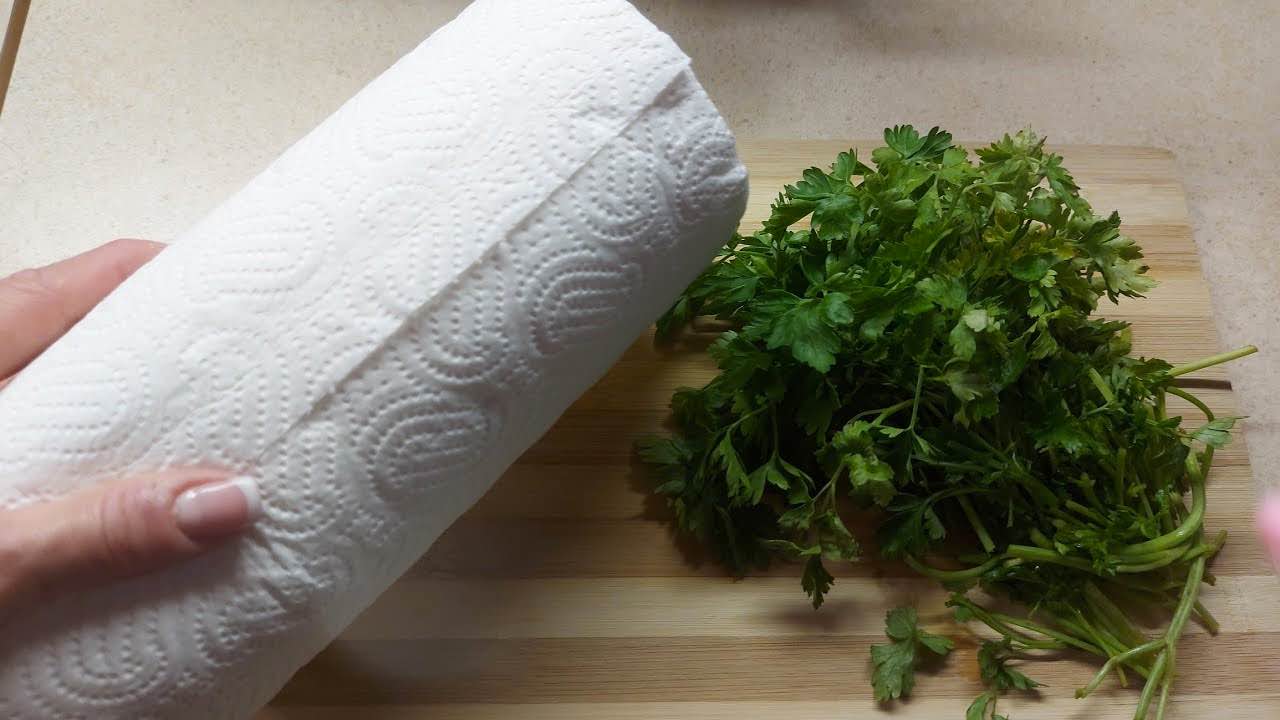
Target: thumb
119, 529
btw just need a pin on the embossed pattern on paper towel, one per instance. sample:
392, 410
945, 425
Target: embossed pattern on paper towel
376, 326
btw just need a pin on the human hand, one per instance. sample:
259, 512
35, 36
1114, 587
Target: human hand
119, 528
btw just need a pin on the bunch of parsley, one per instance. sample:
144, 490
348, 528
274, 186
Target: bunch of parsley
925, 346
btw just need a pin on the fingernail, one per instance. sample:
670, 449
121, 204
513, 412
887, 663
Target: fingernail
1269, 526
219, 508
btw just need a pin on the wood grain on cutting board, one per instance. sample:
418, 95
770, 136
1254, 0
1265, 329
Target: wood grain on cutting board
563, 595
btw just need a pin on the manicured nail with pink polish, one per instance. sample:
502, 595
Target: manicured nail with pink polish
219, 508
1269, 526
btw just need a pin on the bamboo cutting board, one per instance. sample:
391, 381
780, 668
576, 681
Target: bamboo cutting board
563, 596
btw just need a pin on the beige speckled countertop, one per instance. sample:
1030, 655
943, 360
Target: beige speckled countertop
135, 117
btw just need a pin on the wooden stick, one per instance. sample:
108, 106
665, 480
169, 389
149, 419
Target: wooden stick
9, 50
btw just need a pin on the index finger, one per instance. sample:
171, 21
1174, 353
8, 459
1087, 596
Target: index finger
38, 306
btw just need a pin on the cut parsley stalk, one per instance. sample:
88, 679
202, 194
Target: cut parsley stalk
926, 347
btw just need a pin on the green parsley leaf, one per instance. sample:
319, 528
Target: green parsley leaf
904, 140
1216, 433
983, 707
804, 329
837, 310
946, 292
964, 342
993, 658
871, 475
896, 663
816, 581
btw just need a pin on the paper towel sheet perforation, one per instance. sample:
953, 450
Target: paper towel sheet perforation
377, 326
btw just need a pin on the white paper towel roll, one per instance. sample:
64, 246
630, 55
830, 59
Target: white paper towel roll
376, 326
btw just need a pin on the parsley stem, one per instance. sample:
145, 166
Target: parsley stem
1092, 496
969, 467
1129, 586
1149, 690
1086, 512
1190, 593
1049, 632
1040, 539
1164, 698
951, 575
1188, 528
1122, 458
978, 436
1208, 414
884, 413
1210, 548
1123, 657
976, 522
915, 402
1029, 642
1004, 625
1111, 614
1190, 551
1206, 618
1170, 516
1040, 495
1153, 561
1146, 506
1102, 386
1105, 640
1035, 554
1212, 360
